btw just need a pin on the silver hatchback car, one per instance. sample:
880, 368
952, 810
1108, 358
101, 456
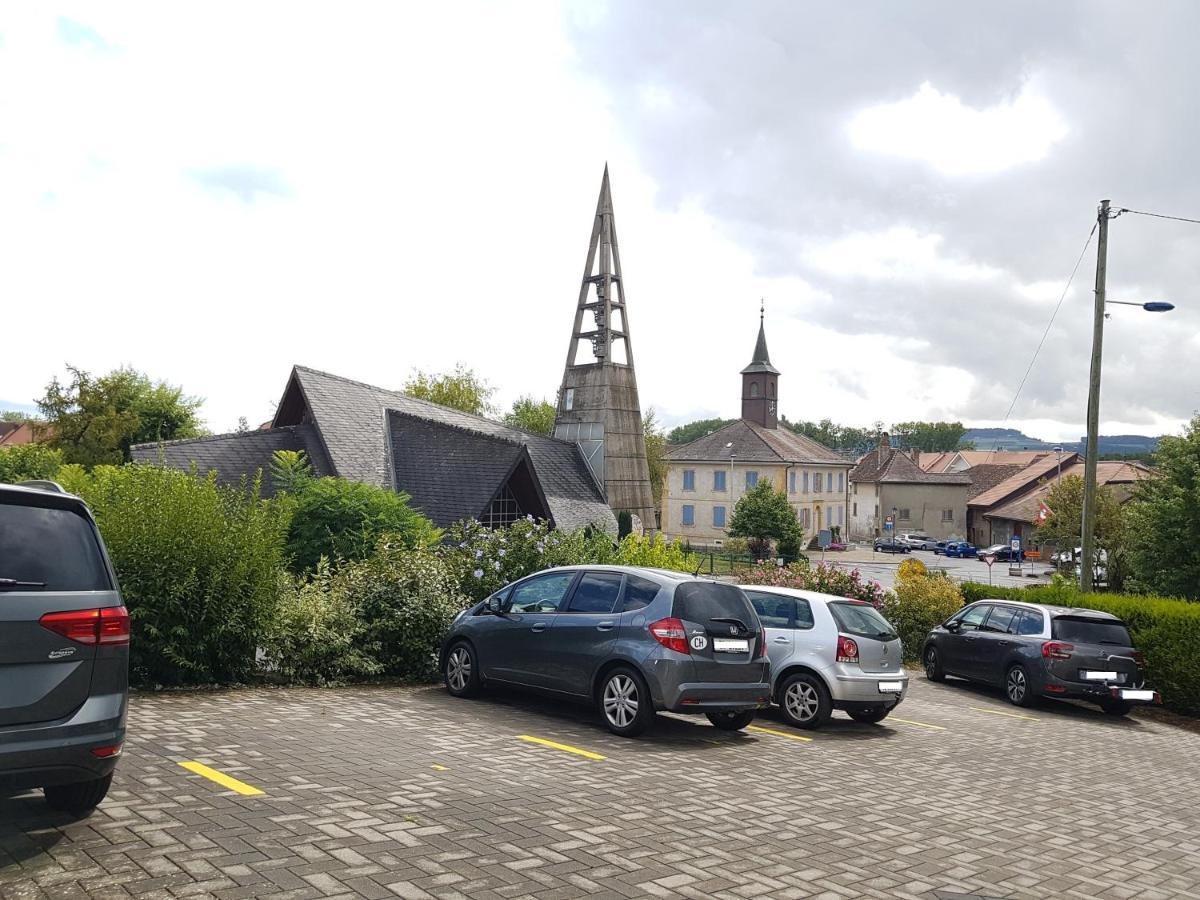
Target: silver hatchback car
829, 653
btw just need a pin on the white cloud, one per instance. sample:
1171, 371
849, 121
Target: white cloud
939, 129
895, 254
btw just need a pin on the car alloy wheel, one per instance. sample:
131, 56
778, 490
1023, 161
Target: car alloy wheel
802, 701
458, 668
620, 701
1016, 685
933, 665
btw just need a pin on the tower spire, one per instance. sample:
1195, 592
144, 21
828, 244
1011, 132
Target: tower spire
760, 381
598, 405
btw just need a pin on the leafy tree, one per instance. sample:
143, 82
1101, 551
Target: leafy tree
931, 437
94, 420
461, 389
685, 434
290, 470
834, 436
25, 462
762, 515
656, 459
531, 415
1164, 520
15, 415
1064, 526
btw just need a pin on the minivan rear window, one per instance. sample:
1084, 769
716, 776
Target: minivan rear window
1086, 630
702, 601
54, 546
862, 620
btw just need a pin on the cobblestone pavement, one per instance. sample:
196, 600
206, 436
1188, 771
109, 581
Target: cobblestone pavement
406, 792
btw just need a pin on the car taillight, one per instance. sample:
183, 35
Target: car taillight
109, 625
1057, 650
107, 752
762, 653
847, 649
670, 633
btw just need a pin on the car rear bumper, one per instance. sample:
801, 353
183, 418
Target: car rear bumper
1097, 691
706, 697
866, 688
60, 752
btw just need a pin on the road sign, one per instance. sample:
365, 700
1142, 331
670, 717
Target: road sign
887, 524
824, 538
989, 558
1016, 545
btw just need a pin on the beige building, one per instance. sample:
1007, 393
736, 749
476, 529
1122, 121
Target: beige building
889, 483
707, 477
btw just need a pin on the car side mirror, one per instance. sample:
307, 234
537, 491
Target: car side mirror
495, 605
952, 627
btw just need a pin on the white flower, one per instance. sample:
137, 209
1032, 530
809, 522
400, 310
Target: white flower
496, 565
479, 573
478, 553
502, 551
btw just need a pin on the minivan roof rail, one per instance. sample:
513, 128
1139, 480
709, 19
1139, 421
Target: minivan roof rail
42, 484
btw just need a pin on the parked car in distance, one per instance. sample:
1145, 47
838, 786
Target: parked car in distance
960, 550
917, 541
1002, 552
1034, 650
884, 545
829, 653
629, 640
64, 650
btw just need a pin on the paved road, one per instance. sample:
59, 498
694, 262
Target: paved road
881, 567
406, 792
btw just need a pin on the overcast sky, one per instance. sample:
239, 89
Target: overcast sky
214, 192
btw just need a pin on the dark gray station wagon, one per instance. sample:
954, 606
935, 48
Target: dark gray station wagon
631, 640
64, 650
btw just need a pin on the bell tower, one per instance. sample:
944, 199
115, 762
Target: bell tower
598, 405
760, 383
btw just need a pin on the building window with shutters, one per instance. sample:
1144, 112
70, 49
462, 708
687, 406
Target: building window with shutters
905, 515
689, 479
841, 515
719, 480
805, 517
818, 483
689, 514
854, 510
947, 515
751, 480
791, 482
841, 482
718, 517
805, 482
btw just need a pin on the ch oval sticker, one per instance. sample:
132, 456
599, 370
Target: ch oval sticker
699, 642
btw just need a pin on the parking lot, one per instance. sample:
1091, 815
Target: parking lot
881, 567
386, 792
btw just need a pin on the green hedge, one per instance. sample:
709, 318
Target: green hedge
1167, 631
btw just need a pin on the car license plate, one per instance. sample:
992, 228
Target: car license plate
1137, 695
891, 687
1099, 676
725, 645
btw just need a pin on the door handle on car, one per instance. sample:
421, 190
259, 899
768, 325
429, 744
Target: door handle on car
606, 626
538, 627
781, 640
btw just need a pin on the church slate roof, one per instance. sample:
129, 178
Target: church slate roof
241, 453
754, 443
451, 462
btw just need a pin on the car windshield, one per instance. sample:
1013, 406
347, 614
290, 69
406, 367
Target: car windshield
704, 602
49, 549
862, 620
1086, 630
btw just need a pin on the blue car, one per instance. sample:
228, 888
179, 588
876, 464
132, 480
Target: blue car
961, 550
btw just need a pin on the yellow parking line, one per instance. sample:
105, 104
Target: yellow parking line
996, 712
794, 737
566, 748
919, 724
222, 779
440, 768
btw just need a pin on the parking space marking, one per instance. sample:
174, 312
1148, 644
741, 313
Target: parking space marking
440, 768
918, 724
794, 737
246, 790
997, 712
566, 748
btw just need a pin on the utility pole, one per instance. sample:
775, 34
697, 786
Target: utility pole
1086, 564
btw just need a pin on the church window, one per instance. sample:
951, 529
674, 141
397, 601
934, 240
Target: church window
753, 389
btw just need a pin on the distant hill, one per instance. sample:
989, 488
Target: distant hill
1012, 439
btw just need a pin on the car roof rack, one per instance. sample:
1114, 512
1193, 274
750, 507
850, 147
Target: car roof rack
42, 484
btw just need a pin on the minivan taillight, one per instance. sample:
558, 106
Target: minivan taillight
670, 633
109, 625
847, 649
1057, 650
762, 653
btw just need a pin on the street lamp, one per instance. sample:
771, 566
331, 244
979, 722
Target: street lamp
1086, 564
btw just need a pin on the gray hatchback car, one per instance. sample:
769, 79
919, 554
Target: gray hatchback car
632, 641
64, 650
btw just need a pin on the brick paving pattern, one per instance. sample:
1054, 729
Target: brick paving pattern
1068, 803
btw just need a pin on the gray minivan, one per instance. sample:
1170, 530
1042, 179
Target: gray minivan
64, 650
630, 640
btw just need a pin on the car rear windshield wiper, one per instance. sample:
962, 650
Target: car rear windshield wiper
731, 621
13, 582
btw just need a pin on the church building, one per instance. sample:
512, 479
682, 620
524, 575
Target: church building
707, 477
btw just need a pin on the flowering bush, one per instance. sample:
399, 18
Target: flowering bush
655, 552
822, 577
920, 603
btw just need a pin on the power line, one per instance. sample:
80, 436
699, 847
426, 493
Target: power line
1138, 212
1049, 325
